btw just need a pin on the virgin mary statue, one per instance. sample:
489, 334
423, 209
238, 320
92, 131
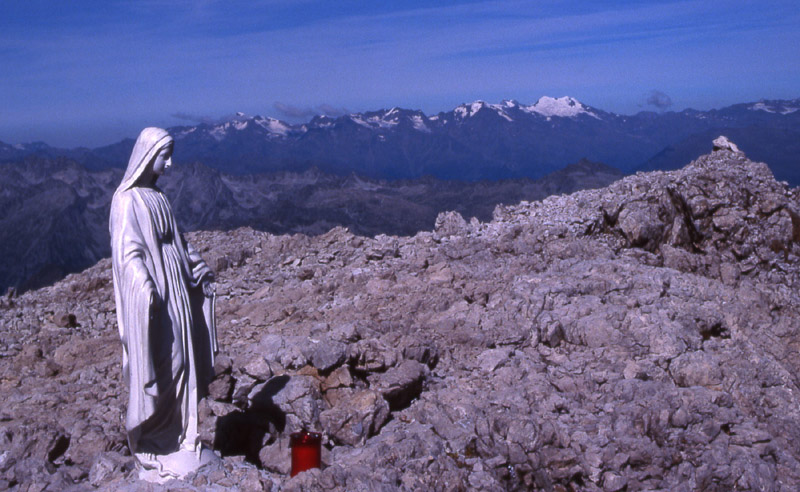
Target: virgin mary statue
165, 311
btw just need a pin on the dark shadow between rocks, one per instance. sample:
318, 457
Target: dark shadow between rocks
401, 400
58, 448
242, 432
715, 330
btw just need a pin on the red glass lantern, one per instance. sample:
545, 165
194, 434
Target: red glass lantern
306, 450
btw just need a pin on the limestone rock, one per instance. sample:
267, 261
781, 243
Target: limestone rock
490, 360
399, 385
107, 465
297, 397
324, 354
449, 224
356, 418
722, 143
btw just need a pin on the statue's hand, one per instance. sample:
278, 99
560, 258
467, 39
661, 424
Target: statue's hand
209, 288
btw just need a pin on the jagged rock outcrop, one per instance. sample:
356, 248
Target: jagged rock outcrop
642, 336
723, 143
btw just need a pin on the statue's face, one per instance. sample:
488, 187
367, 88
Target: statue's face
163, 160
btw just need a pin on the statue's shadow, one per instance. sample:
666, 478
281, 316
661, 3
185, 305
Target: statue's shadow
243, 432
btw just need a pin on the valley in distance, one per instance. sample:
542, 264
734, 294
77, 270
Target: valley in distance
56, 219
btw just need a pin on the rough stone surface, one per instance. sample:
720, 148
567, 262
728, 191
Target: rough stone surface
401, 384
357, 416
644, 336
722, 143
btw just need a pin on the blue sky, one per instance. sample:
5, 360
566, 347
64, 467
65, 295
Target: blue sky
92, 72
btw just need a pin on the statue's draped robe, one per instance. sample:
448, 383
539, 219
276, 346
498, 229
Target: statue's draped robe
166, 323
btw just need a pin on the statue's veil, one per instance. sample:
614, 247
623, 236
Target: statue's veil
147, 146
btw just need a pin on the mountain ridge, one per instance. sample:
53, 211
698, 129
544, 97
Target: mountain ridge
473, 141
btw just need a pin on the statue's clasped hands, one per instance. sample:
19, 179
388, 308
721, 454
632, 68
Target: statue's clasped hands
209, 287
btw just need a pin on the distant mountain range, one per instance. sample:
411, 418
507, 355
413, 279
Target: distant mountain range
473, 141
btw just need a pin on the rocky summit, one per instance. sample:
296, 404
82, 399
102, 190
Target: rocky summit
642, 336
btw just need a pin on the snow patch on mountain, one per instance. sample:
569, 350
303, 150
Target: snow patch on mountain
184, 132
218, 133
419, 123
462, 111
358, 119
383, 122
321, 121
771, 108
274, 126
565, 107
467, 110
373, 122
501, 112
389, 120
238, 123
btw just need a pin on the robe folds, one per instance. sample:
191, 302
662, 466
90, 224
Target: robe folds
166, 324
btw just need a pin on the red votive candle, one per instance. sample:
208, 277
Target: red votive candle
306, 448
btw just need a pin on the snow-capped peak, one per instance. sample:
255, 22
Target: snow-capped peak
241, 121
467, 110
238, 122
273, 125
558, 106
418, 120
390, 119
774, 107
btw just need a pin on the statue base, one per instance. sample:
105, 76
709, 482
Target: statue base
162, 468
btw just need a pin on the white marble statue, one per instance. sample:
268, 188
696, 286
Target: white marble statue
165, 310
